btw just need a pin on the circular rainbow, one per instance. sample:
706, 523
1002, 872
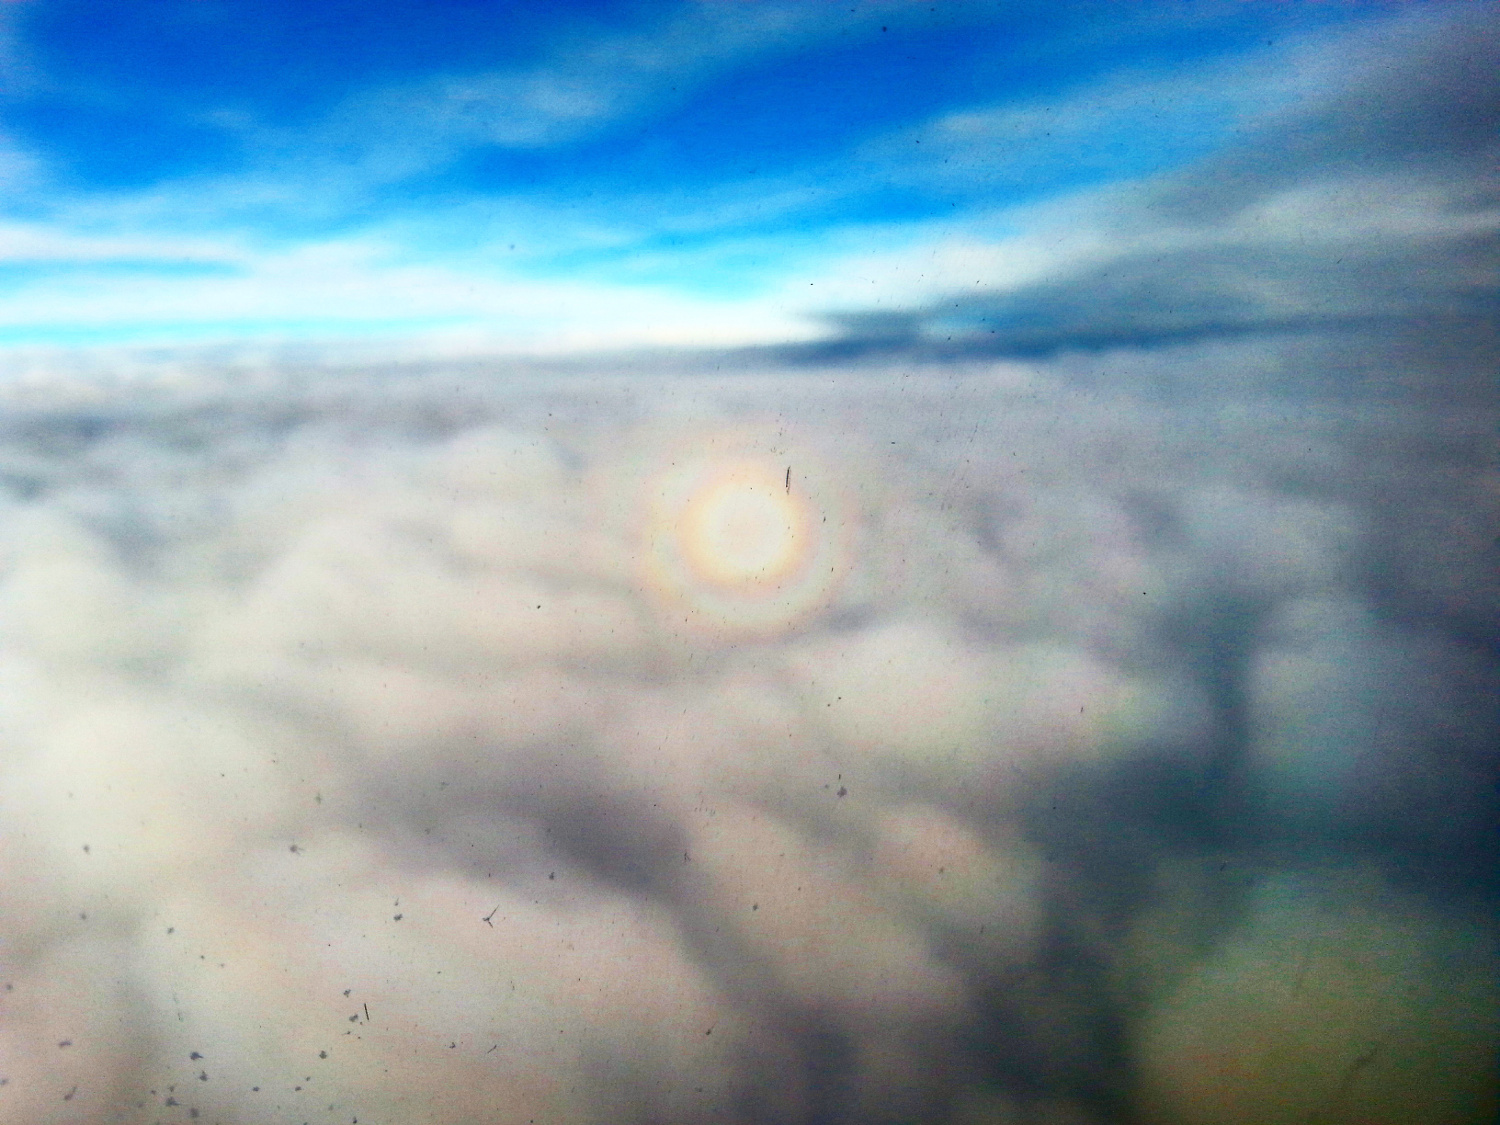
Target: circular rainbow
741, 544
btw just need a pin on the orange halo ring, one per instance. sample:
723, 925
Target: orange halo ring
736, 546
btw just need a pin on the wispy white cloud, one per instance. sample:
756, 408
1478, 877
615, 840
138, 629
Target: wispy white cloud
295, 181
19, 169
354, 287
1069, 236
41, 243
1292, 219
738, 261
589, 80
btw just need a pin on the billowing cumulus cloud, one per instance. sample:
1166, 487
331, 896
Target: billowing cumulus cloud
927, 744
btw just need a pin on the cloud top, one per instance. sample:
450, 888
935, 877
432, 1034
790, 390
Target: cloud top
422, 746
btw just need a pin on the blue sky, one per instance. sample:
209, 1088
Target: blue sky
469, 175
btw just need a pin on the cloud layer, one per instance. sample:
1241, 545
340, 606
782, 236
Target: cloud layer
1369, 204
875, 745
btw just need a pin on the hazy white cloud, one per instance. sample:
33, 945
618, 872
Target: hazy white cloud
199, 290
788, 745
18, 169
590, 80
34, 243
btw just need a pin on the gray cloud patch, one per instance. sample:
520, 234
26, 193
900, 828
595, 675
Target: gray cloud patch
875, 745
1373, 206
